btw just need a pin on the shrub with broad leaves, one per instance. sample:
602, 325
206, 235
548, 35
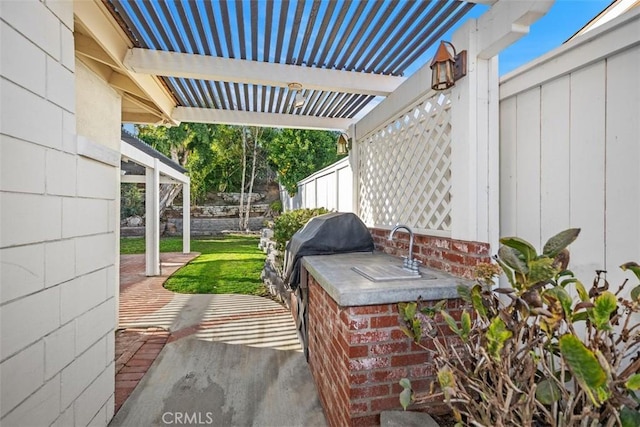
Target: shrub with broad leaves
286, 225
533, 354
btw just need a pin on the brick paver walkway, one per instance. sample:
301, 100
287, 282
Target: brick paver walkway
140, 336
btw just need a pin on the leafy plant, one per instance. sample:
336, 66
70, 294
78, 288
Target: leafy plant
276, 207
131, 202
533, 354
288, 223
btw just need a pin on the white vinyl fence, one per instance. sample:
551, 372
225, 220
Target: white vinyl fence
570, 147
330, 188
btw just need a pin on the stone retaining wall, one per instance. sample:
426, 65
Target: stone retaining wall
271, 274
209, 226
214, 211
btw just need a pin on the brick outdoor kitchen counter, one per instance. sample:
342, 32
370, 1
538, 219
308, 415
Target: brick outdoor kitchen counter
357, 351
349, 288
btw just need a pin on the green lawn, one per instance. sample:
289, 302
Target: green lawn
227, 265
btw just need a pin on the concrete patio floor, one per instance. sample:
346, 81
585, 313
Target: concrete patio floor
229, 360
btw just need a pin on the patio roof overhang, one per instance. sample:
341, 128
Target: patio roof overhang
232, 62
142, 164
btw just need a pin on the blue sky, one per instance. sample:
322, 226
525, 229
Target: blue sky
561, 22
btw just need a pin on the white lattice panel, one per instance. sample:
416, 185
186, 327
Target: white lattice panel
404, 169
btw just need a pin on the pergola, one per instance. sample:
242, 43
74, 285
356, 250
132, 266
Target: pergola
245, 62
233, 62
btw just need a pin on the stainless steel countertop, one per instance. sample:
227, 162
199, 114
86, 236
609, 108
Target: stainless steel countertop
348, 288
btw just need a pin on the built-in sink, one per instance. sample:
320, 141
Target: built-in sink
382, 273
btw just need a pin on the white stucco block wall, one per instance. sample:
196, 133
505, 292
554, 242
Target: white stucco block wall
59, 175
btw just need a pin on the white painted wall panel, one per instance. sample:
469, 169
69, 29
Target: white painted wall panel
92, 324
29, 218
51, 195
41, 408
22, 272
82, 294
37, 22
61, 173
322, 187
528, 166
623, 157
310, 195
326, 191
19, 107
554, 157
22, 61
37, 317
587, 167
345, 189
82, 372
61, 85
22, 166
25, 371
508, 169
59, 261
97, 180
587, 125
94, 398
60, 349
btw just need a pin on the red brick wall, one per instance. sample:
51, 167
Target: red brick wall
457, 257
357, 355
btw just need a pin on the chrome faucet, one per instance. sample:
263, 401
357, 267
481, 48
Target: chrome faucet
408, 262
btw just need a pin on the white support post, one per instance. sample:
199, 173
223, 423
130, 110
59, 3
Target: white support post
355, 171
469, 121
186, 217
475, 117
152, 225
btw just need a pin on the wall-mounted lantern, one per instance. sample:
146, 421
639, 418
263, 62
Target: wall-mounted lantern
447, 66
343, 144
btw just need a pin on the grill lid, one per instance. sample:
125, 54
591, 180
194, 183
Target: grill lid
327, 234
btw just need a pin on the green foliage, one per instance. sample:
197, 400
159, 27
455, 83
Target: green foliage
497, 335
585, 367
276, 207
412, 326
522, 361
297, 153
211, 153
286, 225
560, 241
406, 393
604, 305
629, 417
547, 392
131, 202
226, 265
633, 383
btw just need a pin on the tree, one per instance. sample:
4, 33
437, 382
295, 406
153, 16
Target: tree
173, 142
257, 137
297, 153
257, 132
211, 154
